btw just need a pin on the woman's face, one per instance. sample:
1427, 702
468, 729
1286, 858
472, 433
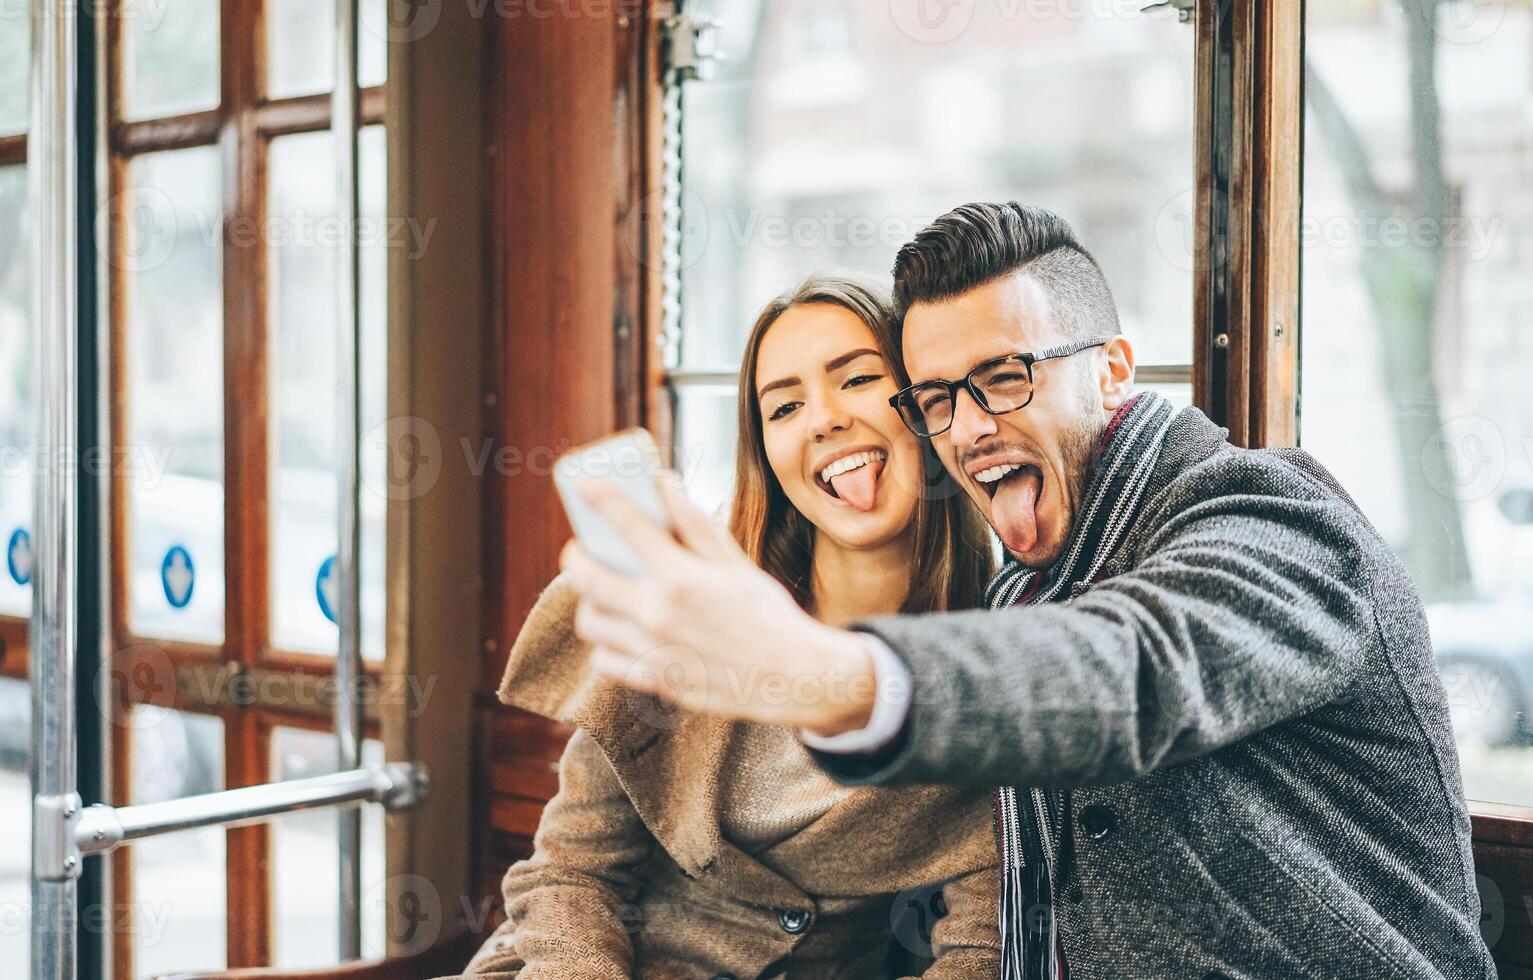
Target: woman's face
840, 451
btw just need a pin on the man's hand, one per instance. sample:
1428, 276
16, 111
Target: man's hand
707, 629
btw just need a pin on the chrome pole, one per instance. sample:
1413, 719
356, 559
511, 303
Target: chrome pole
348, 436
51, 171
396, 786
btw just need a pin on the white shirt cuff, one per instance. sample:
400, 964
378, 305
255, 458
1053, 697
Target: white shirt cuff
891, 706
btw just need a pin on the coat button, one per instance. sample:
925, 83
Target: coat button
1216, 975
1097, 821
723, 976
793, 921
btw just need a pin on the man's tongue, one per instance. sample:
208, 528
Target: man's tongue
1014, 510
859, 487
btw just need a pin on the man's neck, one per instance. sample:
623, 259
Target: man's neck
1109, 433
854, 583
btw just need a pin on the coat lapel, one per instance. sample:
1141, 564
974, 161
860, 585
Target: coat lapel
668, 761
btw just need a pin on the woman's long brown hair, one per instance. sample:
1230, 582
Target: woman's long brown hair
952, 550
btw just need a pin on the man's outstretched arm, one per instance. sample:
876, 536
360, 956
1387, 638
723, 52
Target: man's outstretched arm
1250, 610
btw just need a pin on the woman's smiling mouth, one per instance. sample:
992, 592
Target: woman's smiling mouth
852, 477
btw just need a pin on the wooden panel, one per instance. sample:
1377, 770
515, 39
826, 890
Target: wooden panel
517, 773
572, 143
553, 252
516, 815
529, 735
520, 753
1278, 161
1503, 857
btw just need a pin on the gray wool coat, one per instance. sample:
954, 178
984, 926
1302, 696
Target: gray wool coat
1257, 773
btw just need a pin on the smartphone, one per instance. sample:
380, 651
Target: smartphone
630, 462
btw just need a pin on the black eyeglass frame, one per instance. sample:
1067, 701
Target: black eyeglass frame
907, 393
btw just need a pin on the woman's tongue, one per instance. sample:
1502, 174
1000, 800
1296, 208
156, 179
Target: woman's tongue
1014, 510
859, 487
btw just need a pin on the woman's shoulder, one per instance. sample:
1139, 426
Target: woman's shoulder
548, 671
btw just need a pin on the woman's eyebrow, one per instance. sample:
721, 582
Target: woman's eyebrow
779, 383
849, 357
833, 364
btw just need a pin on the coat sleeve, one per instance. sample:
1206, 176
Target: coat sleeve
570, 905
1246, 609
966, 943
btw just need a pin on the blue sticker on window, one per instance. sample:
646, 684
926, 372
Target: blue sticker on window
324, 588
18, 556
179, 576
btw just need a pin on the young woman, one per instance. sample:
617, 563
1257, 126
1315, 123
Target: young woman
680, 845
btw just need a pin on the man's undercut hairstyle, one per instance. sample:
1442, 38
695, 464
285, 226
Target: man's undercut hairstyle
977, 243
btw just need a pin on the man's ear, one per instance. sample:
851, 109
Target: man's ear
1117, 375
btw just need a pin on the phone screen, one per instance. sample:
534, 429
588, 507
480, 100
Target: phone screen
630, 462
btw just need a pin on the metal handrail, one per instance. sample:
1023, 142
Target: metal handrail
397, 786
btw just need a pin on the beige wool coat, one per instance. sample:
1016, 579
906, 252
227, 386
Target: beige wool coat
632, 875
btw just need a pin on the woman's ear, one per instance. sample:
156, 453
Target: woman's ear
1117, 375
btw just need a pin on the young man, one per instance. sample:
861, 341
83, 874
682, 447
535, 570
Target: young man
1208, 678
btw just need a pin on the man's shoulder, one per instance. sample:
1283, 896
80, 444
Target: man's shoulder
1198, 461
1201, 470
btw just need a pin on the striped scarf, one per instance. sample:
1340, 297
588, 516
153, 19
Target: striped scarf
1029, 834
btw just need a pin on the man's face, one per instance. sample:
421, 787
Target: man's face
1049, 442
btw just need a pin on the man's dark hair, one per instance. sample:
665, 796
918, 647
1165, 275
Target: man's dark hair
976, 243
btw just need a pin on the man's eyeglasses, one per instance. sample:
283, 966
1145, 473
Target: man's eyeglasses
1001, 385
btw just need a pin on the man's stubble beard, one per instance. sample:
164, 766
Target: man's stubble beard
1075, 449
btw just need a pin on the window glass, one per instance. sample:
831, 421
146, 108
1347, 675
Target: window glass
16, 470
16, 818
300, 60
705, 441
174, 457
170, 57
306, 855
15, 39
180, 880
835, 130
301, 272
1178, 394
1418, 275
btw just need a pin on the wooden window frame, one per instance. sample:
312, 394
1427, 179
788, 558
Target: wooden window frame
242, 128
1246, 268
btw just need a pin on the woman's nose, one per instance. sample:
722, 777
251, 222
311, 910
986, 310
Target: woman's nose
826, 417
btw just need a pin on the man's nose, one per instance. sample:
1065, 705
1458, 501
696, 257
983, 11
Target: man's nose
970, 422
